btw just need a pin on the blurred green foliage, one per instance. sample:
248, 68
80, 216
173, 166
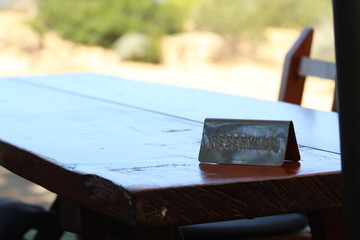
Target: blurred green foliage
102, 22
229, 17
237, 20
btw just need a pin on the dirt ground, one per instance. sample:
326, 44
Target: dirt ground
23, 53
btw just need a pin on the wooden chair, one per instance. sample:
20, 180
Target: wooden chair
298, 65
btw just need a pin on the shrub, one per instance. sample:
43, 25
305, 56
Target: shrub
102, 22
138, 47
252, 16
247, 19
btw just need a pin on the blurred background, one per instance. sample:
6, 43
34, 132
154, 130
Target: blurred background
231, 46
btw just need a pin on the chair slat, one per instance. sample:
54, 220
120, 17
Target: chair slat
317, 68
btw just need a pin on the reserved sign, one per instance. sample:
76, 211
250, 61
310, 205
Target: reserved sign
250, 142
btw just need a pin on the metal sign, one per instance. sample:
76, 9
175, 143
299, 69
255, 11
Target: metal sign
249, 142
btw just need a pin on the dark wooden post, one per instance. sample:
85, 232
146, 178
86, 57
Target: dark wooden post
347, 43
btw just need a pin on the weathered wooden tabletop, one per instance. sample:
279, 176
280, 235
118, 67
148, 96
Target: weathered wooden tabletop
129, 150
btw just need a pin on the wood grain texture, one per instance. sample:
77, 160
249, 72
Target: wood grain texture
236, 201
133, 156
73, 185
191, 104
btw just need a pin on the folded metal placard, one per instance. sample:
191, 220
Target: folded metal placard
249, 142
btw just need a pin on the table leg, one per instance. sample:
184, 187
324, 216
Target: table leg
96, 226
52, 233
91, 225
162, 233
327, 224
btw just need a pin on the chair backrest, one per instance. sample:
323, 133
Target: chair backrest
298, 65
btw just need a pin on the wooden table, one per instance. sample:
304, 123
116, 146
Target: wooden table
122, 154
